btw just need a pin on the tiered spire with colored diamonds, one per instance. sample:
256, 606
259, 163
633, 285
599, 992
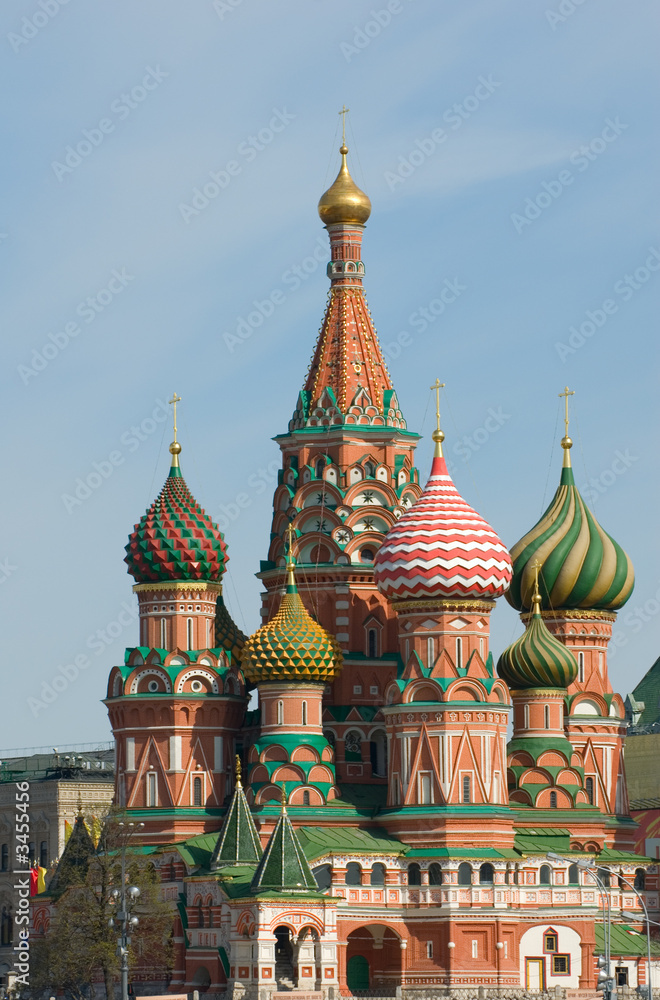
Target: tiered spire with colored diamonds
581, 565
441, 548
238, 842
347, 381
283, 867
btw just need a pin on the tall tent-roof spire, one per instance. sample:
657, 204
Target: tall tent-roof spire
238, 841
283, 867
74, 864
347, 381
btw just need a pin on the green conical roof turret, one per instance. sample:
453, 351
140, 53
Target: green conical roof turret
238, 842
283, 867
74, 863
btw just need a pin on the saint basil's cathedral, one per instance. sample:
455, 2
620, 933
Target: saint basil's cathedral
363, 823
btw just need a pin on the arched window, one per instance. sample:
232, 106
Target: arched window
189, 633
464, 873
372, 643
353, 746
323, 876
366, 555
545, 875
304, 713
353, 873
6, 927
573, 875
640, 879
589, 789
369, 470
172, 875
4, 863
280, 713
210, 916
581, 668
43, 854
553, 800
163, 633
435, 874
414, 874
430, 652
486, 874
516, 876
320, 467
305, 798
466, 788
378, 753
378, 874
197, 791
459, 653
605, 875
481, 648
200, 915
546, 716
526, 717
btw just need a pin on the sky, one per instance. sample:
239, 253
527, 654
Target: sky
161, 168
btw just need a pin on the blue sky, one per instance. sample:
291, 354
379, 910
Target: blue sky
536, 197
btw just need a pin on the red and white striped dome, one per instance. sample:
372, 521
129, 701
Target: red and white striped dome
441, 548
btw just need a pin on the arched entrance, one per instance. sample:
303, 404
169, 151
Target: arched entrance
373, 958
202, 979
286, 973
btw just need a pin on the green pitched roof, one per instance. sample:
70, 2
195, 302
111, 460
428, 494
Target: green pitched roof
624, 941
648, 691
283, 867
317, 841
74, 863
238, 842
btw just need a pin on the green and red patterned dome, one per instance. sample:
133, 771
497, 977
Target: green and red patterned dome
537, 659
176, 539
582, 567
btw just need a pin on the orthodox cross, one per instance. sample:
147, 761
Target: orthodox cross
565, 394
173, 401
536, 566
289, 539
437, 385
237, 769
344, 111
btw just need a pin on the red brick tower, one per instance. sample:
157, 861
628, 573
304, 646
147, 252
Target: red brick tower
178, 701
347, 475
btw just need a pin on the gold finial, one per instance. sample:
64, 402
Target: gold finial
175, 447
536, 596
283, 798
290, 562
80, 808
438, 435
566, 442
344, 111
237, 770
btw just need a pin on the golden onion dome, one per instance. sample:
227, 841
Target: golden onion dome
292, 646
343, 201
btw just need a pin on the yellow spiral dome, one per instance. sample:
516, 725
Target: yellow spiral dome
292, 646
343, 201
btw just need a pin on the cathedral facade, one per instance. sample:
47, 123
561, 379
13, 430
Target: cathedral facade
368, 825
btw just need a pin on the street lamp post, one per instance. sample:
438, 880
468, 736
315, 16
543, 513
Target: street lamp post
127, 898
607, 983
648, 930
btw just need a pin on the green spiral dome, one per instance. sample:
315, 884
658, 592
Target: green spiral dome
537, 659
582, 566
291, 647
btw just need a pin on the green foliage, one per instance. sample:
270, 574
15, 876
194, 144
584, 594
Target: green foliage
80, 946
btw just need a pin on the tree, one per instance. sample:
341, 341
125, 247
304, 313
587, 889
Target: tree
80, 946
